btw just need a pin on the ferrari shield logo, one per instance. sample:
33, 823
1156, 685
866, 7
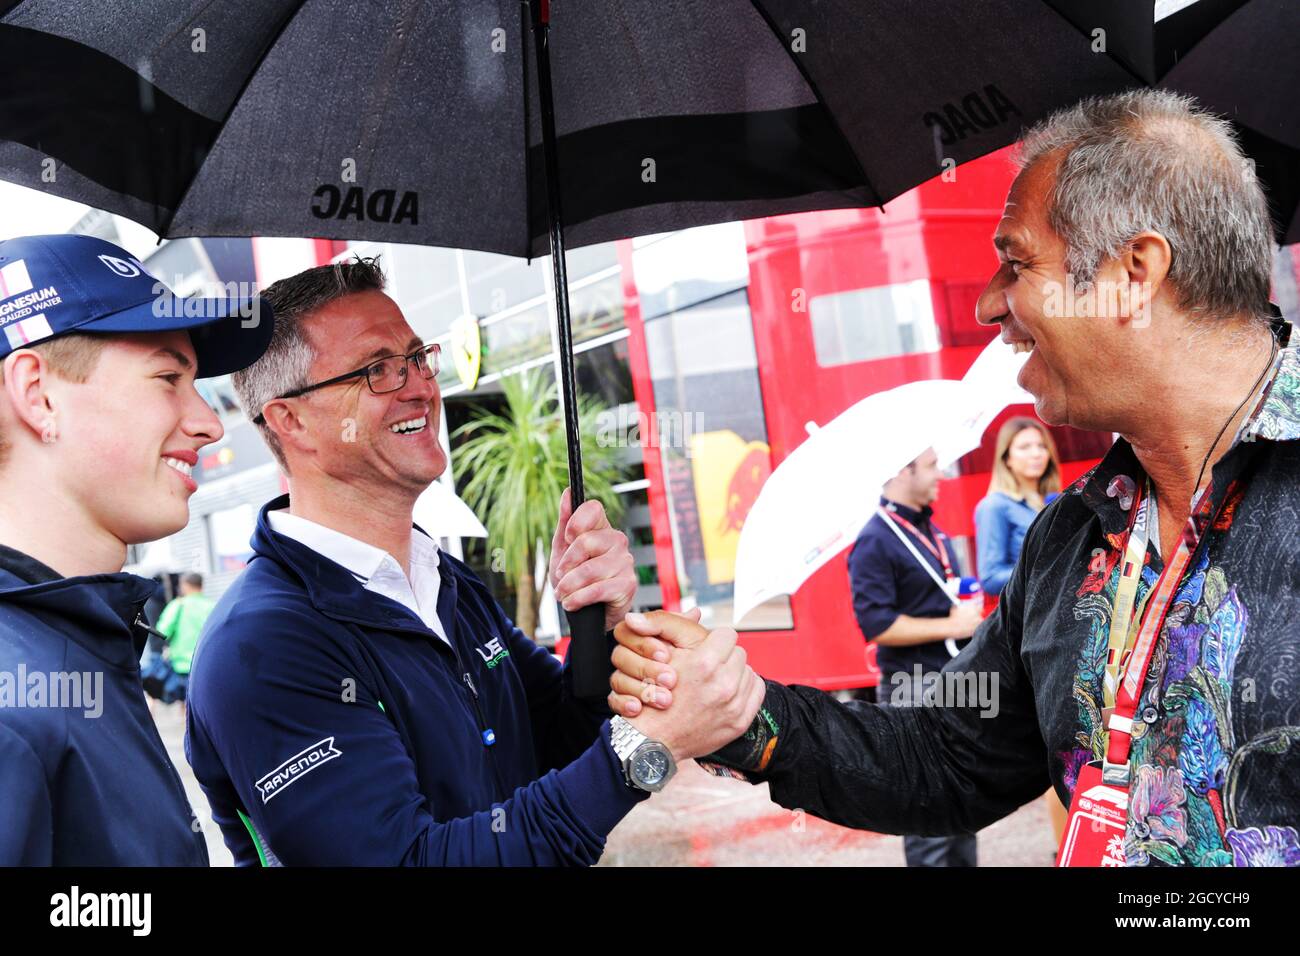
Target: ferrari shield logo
467, 349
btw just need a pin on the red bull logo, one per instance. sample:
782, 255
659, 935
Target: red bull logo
742, 491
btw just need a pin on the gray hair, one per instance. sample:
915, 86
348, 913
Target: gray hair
286, 363
1152, 159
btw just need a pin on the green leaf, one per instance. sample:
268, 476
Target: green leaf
512, 466
1216, 587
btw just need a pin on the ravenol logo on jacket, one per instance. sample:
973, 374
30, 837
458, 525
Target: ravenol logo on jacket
297, 767
492, 652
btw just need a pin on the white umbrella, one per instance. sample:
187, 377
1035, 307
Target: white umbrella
156, 559
989, 386
818, 499
441, 513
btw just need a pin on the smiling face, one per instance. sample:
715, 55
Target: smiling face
1073, 353
347, 431
129, 435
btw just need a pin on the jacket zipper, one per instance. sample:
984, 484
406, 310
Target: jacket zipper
482, 724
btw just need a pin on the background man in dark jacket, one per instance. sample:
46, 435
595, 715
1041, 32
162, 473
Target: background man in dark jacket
910, 616
358, 697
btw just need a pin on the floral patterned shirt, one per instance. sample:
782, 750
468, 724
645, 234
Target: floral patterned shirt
1215, 760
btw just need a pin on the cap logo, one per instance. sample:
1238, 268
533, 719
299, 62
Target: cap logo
127, 269
35, 329
14, 279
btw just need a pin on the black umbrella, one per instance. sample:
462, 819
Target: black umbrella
1237, 57
1247, 67
440, 123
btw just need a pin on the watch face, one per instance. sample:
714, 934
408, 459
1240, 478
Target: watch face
650, 767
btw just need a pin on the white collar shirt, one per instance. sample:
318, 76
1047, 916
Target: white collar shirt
375, 568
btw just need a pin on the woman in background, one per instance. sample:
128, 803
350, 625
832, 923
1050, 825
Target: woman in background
1026, 478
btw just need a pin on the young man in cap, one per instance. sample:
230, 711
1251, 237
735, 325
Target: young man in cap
100, 424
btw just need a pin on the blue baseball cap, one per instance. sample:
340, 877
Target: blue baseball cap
53, 285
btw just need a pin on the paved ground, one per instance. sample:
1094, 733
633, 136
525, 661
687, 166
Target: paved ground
701, 820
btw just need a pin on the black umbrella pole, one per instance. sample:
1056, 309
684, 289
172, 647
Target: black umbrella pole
587, 648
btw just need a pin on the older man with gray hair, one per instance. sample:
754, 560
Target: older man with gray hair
1147, 646
358, 697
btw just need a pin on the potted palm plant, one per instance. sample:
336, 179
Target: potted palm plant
511, 468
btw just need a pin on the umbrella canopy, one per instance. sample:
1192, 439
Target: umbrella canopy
416, 121
419, 122
1243, 68
817, 500
442, 513
156, 559
437, 122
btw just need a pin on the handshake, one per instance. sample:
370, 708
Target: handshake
686, 687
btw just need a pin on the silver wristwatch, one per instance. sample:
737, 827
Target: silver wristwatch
647, 764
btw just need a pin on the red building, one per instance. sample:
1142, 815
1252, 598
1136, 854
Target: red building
838, 305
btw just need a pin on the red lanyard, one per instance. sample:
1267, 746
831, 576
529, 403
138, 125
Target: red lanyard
1136, 652
941, 552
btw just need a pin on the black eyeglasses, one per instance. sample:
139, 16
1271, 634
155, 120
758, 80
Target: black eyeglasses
387, 374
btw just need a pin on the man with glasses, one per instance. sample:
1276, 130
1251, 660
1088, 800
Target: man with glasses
358, 697
384, 375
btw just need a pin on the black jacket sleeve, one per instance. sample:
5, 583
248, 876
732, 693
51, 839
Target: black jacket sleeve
937, 769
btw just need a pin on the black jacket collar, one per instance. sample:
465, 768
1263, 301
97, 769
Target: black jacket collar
97, 611
26, 567
918, 518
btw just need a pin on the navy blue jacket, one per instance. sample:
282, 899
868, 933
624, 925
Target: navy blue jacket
84, 777
886, 582
328, 725
1000, 526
